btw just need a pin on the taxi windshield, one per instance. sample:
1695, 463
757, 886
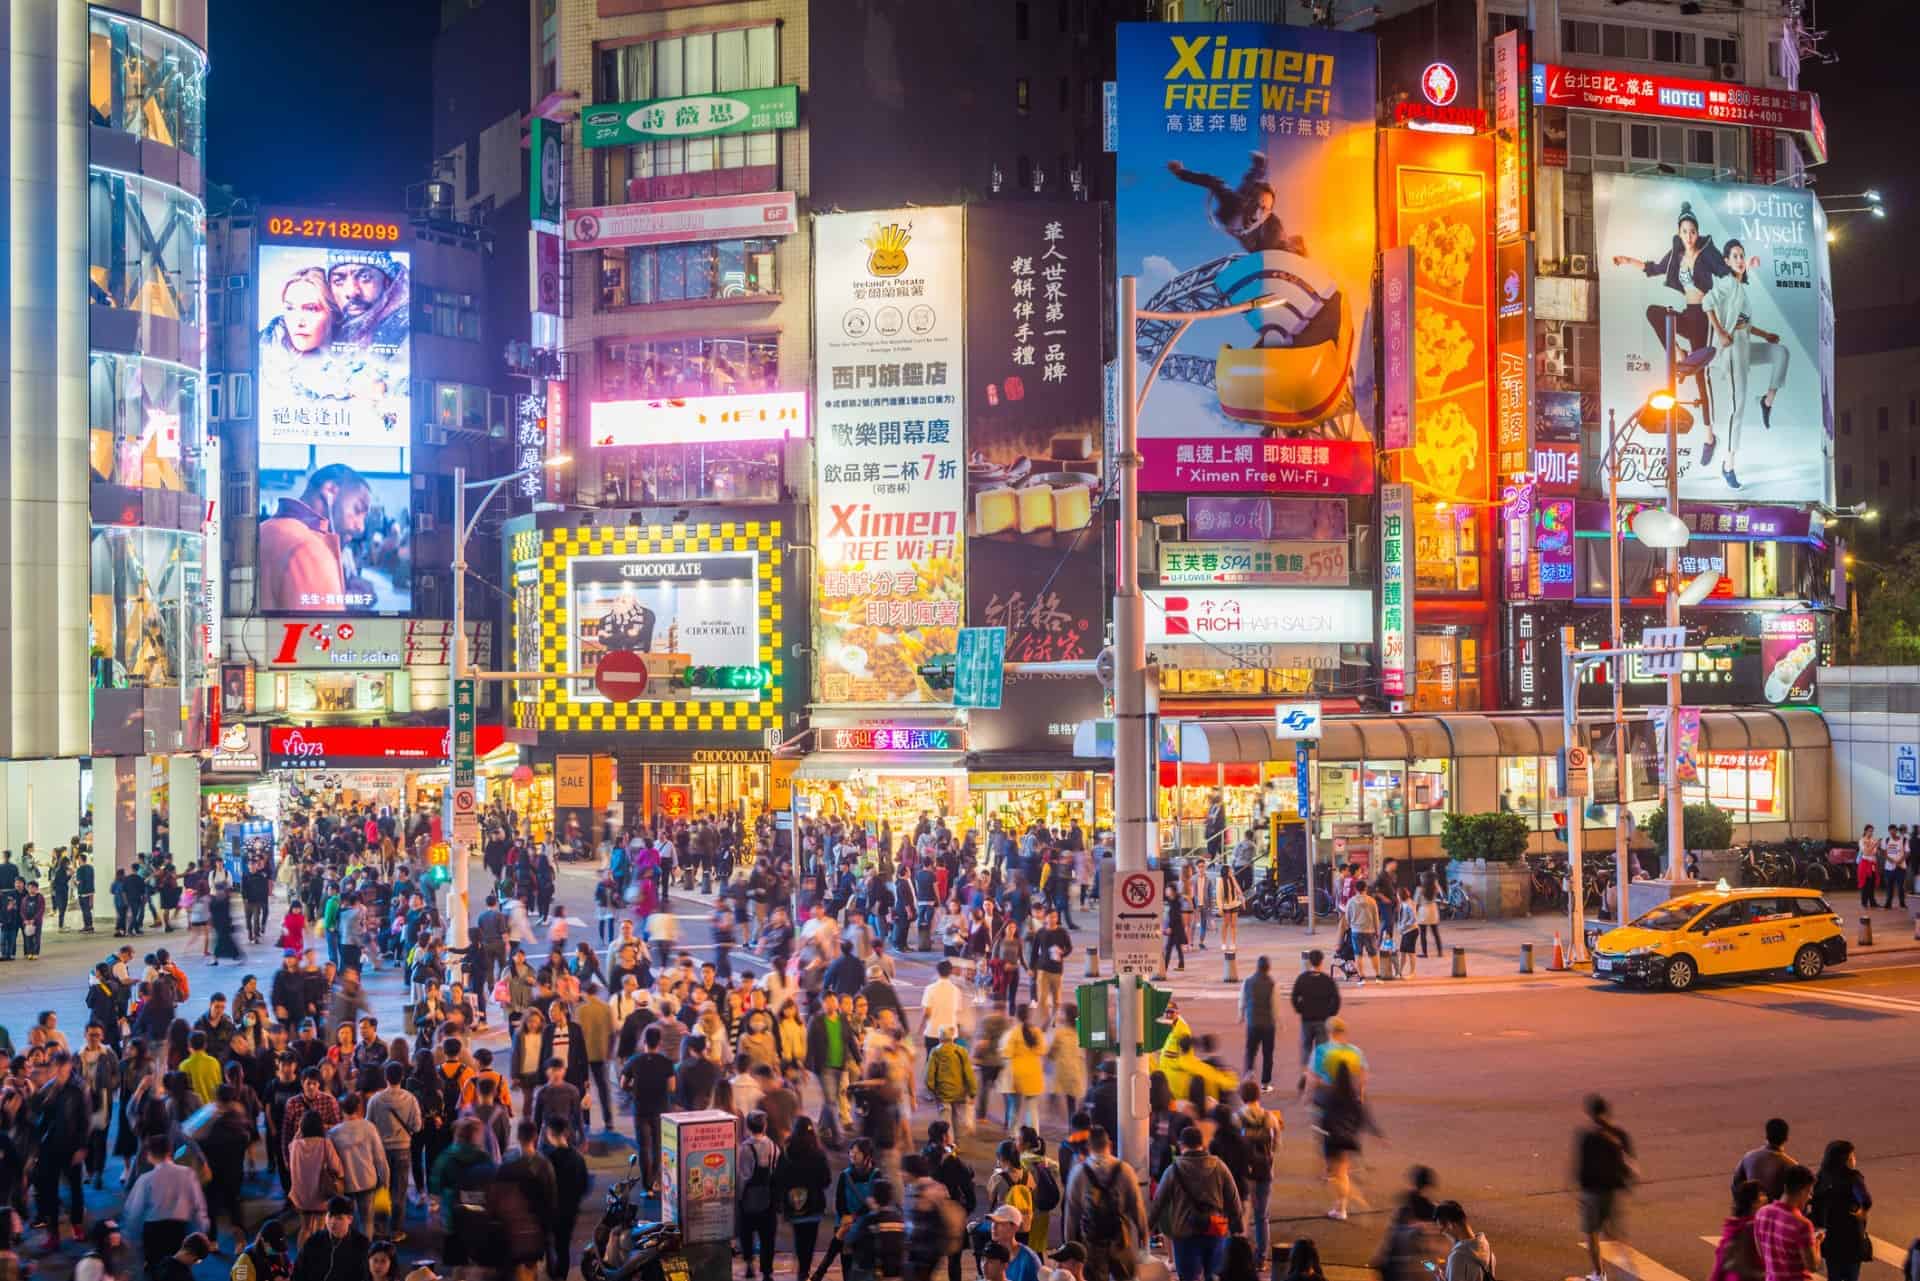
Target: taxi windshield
1668, 916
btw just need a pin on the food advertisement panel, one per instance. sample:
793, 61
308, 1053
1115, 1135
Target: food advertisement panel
1034, 415
1738, 275
890, 483
335, 403
684, 614
1789, 655
1245, 171
1439, 189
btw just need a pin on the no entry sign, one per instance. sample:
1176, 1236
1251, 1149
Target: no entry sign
620, 676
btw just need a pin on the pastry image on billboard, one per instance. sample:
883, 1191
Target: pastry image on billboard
1442, 347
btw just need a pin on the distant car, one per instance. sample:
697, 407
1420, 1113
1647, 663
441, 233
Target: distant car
1718, 932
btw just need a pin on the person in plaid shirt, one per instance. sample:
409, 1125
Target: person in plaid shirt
312, 1098
1785, 1236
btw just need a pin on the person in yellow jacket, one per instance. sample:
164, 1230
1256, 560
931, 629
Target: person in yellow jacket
1026, 1074
951, 1082
1183, 1065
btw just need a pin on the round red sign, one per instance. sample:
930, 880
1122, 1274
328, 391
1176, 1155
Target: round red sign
620, 676
1138, 890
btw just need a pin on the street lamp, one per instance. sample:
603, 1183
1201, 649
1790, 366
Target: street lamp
463, 526
1130, 746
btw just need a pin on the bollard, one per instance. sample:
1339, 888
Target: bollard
1866, 932
1459, 962
1229, 972
1093, 962
923, 937
1526, 958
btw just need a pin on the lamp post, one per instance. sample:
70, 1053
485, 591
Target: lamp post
463, 526
1132, 754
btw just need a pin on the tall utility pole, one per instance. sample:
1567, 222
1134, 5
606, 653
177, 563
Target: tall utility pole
1676, 824
1130, 747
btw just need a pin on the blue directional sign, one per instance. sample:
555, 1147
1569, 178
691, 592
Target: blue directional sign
1303, 771
980, 661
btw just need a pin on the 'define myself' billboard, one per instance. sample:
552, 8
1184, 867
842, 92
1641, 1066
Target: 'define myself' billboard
1246, 170
1739, 272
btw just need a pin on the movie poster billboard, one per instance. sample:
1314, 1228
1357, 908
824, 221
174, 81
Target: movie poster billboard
1034, 418
1737, 273
1245, 171
890, 483
336, 429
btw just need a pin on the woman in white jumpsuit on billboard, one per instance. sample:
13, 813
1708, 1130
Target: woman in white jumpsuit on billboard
1729, 309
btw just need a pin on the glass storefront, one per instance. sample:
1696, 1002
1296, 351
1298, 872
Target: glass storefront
1020, 798
145, 423
737, 471
1446, 550
147, 240
147, 607
636, 370
1400, 798
146, 81
718, 269
1750, 785
1447, 658
868, 798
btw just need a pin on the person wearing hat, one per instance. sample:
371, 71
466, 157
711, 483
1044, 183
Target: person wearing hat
1072, 1261
1022, 1263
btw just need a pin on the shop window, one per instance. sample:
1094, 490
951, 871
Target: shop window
738, 471
146, 607
1377, 792
339, 692
146, 240
687, 273
446, 313
1749, 785
1530, 787
145, 81
631, 370
1446, 550
146, 423
460, 407
1447, 664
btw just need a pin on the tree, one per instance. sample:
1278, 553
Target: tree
1498, 838
1888, 634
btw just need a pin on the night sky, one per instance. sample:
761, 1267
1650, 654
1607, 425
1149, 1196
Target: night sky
329, 104
320, 103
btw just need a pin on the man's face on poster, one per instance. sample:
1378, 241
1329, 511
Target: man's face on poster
356, 287
347, 509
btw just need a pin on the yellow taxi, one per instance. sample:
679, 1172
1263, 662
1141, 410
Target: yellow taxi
1717, 932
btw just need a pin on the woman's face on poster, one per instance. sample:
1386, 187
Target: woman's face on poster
1737, 260
309, 317
1689, 233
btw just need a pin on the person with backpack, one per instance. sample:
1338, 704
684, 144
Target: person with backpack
936, 1226
950, 1079
877, 1238
1011, 1183
1260, 1011
1736, 1256
758, 1218
1105, 1211
1603, 1170
945, 1167
1047, 1188
800, 1182
850, 1193
1260, 1133
1197, 1206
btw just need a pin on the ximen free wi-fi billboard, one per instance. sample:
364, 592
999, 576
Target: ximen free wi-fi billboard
336, 429
1734, 277
1246, 173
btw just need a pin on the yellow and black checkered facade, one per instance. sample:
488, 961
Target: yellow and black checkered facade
559, 547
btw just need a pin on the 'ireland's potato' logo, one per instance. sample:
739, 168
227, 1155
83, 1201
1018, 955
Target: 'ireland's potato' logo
889, 249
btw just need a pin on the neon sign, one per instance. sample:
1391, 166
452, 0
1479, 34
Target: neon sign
894, 738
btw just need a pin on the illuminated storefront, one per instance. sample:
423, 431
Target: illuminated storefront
866, 772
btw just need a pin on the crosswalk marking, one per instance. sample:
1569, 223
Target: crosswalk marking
1840, 996
1884, 1251
1622, 1260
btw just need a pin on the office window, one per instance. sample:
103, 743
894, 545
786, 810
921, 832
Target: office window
1580, 37
239, 395
707, 62
1020, 20
448, 314
1022, 96
631, 369
1721, 52
1880, 418
214, 398
687, 273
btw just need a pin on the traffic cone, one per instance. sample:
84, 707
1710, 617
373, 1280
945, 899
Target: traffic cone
1559, 954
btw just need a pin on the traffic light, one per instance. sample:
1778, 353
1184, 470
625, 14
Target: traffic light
1733, 647
1560, 824
740, 677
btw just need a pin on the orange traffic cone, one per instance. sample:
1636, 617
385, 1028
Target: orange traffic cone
1559, 954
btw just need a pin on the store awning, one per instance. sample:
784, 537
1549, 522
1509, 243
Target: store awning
843, 765
1758, 729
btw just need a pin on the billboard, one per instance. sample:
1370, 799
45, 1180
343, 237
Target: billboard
1034, 418
1439, 194
336, 429
1739, 273
703, 604
889, 467
1245, 171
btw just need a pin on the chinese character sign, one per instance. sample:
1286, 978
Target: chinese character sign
1245, 173
1396, 601
890, 488
1737, 274
1035, 431
336, 429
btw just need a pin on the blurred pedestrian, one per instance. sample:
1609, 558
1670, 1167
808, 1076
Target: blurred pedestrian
1839, 1210
1603, 1170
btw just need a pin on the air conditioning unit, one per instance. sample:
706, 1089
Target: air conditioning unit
1556, 338
1554, 362
1580, 264
1729, 71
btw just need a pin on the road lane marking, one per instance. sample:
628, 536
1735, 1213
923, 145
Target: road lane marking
1840, 996
1622, 1259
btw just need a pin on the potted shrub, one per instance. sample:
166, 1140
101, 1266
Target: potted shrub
1486, 850
1704, 829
